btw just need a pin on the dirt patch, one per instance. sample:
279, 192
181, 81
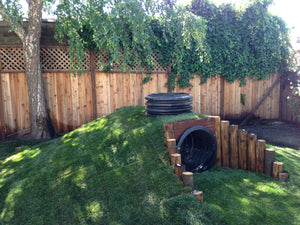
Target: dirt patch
276, 132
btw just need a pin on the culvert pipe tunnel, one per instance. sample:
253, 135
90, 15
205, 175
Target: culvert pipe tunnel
198, 148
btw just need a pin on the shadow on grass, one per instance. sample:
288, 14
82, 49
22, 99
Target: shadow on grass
243, 197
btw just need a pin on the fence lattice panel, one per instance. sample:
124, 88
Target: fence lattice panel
11, 59
58, 59
55, 59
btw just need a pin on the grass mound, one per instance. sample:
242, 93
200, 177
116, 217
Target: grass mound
115, 170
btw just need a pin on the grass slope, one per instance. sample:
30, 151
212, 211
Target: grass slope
115, 170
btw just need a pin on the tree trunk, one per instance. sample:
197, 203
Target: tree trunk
41, 127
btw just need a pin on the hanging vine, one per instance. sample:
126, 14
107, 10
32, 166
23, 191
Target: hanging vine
202, 39
246, 42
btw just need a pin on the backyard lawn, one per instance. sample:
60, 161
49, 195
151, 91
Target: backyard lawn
116, 170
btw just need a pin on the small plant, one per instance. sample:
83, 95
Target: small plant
243, 98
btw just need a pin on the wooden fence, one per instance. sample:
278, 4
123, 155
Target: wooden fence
220, 98
73, 101
288, 113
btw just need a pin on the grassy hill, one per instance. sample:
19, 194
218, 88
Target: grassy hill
115, 170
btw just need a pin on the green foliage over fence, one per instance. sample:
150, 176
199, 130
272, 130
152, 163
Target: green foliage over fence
202, 38
244, 42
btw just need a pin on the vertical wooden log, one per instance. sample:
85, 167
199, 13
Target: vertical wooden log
225, 142
269, 159
175, 159
172, 150
277, 168
233, 143
168, 126
179, 169
188, 179
171, 142
169, 134
251, 152
218, 139
260, 155
242, 143
198, 195
283, 176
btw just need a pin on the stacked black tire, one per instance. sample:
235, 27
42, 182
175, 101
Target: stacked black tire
161, 104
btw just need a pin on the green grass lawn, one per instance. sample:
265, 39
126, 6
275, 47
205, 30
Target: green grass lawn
115, 170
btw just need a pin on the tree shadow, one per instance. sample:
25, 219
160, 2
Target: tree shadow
248, 197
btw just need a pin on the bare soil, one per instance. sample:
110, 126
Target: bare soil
276, 132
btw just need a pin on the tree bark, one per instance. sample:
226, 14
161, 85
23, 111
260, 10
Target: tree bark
41, 127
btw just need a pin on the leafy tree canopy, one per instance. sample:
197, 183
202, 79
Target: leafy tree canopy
245, 42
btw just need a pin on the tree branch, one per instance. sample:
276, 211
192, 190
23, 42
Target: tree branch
15, 25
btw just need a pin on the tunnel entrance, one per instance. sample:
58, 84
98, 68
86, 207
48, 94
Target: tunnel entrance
198, 148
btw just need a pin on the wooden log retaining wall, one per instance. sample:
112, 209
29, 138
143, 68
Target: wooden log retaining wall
236, 148
243, 151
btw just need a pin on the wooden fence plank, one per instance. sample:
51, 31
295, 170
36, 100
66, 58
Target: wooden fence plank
23, 103
55, 105
68, 104
14, 86
197, 95
214, 96
203, 98
75, 101
8, 101
162, 80
275, 100
133, 89
99, 94
246, 90
119, 94
227, 99
126, 87
107, 94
